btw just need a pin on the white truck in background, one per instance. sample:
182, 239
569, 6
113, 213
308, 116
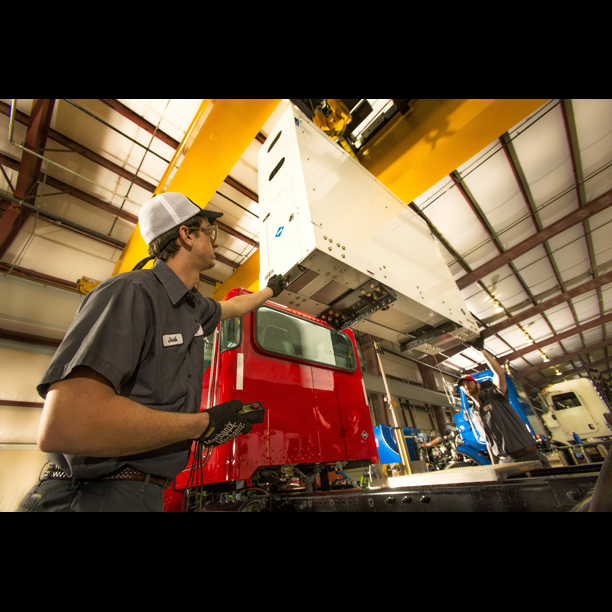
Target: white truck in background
575, 407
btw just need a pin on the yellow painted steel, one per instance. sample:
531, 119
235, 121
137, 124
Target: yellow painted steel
246, 276
188, 138
224, 135
419, 149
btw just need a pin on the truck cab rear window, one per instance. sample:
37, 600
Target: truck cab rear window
284, 334
565, 400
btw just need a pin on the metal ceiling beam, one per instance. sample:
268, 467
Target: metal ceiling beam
471, 201
109, 165
101, 161
117, 212
567, 111
70, 225
548, 304
557, 338
83, 151
555, 362
559, 360
549, 380
89, 199
241, 188
494, 329
9, 162
596, 206
436, 232
128, 113
38, 277
114, 210
523, 184
15, 216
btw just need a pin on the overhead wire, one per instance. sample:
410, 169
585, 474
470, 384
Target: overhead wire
147, 150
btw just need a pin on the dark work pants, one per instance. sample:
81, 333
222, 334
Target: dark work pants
93, 496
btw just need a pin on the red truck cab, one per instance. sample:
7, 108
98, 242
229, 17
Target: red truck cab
307, 377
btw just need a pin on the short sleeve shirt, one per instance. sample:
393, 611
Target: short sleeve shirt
144, 331
504, 429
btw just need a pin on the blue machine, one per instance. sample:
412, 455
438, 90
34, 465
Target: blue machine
387, 446
474, 441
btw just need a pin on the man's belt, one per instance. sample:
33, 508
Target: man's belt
522, 452
127, 473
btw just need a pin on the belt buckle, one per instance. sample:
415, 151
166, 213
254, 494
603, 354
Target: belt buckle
54, 472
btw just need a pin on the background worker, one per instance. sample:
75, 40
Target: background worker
123, 391
508, 439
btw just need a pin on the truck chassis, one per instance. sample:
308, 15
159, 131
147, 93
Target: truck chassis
509, 488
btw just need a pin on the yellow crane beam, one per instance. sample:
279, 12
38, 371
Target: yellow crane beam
422, 147
218, 136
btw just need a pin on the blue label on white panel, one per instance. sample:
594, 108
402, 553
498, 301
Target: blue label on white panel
279, 231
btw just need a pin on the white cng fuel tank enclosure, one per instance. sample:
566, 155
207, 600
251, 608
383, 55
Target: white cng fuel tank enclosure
353, 253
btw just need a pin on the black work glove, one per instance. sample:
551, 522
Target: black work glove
478, 344
225, 424
277, 284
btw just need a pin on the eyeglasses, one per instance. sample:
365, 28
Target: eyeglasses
209, 230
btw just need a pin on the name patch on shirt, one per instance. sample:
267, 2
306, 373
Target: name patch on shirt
172, 339
200, 332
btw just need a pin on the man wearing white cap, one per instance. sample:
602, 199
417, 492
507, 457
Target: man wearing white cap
123, 391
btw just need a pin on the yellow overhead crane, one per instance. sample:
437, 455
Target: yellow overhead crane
408, 156
218, 136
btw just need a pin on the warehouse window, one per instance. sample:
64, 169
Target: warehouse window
285, 334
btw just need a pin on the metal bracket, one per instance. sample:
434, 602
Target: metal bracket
428, 336
371, 297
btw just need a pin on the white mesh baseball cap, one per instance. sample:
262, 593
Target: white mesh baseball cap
166, 211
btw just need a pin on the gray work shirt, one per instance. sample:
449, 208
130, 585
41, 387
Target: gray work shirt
143, 331
503, 427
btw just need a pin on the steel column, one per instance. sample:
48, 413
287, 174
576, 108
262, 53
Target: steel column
15, 217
